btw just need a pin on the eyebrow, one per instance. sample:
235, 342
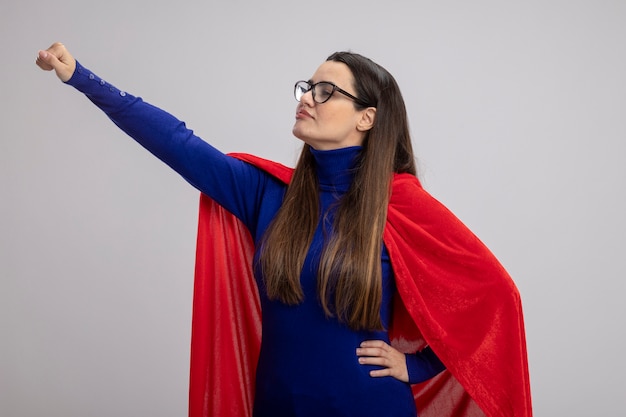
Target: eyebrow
311, 82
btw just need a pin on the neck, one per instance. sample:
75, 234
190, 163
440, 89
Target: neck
335, 168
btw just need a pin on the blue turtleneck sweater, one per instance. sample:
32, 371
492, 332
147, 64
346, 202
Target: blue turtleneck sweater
308, 364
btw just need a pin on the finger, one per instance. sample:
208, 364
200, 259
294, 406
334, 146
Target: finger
381, 372
58, 58
387, 369
41, 61
374, 343
371, 351
52, 57
373, 348
47, 60
379, 361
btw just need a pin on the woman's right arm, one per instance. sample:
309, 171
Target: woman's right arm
225, 179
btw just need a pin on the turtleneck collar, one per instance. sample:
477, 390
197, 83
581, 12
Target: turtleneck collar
335, 168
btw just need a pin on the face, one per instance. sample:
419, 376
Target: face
336, 123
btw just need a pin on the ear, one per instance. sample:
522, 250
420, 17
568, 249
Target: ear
366, 122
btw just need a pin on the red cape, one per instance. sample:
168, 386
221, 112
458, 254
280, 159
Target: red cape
450, 287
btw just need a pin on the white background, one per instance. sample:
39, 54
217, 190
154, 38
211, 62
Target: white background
518, 115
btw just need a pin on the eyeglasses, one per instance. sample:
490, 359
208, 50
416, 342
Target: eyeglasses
322, 92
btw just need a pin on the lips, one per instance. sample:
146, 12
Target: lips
303, 114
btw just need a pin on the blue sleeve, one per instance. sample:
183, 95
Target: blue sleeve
232, 183
423, 365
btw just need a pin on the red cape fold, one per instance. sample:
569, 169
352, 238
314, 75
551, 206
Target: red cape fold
453, 295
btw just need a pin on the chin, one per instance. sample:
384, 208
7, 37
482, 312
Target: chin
298, 134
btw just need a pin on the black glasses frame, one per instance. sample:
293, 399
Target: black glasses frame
335, 88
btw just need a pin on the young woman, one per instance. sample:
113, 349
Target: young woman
350, 253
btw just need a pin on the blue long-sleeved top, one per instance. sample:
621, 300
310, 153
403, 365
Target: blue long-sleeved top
308, 364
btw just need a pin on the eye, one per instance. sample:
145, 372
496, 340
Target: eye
323, 91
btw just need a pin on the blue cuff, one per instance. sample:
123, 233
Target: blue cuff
423, 365
105, 95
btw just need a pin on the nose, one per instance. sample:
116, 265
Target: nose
307, 99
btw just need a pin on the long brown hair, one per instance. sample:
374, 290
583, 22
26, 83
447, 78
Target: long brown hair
349, 280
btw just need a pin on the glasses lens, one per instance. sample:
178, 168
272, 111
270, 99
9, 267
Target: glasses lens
301, 88
322, 92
